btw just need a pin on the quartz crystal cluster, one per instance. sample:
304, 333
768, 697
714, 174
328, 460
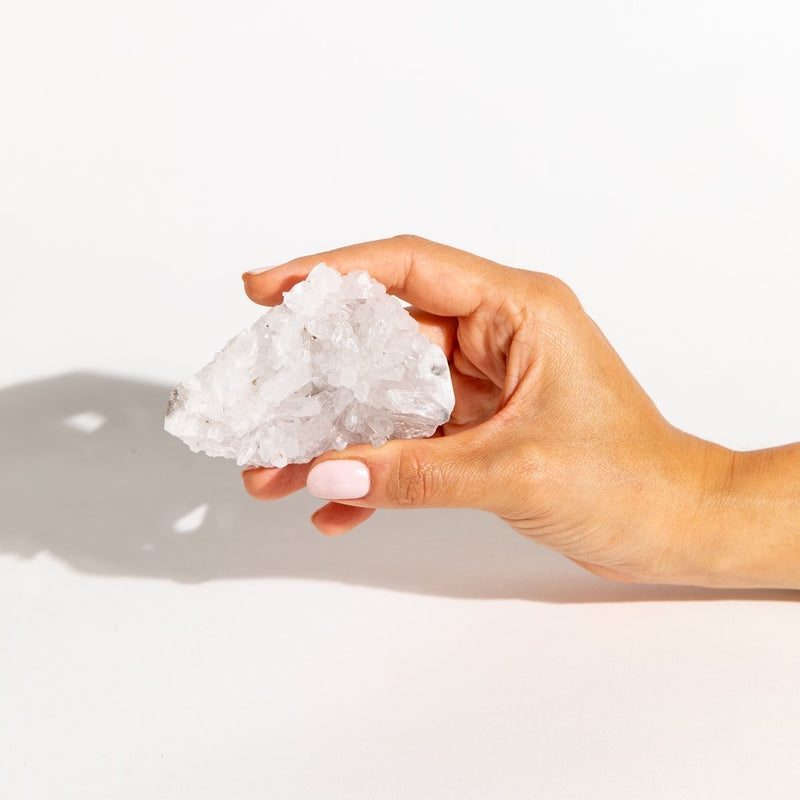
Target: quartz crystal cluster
339, 362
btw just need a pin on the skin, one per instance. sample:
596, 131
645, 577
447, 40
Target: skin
552, 433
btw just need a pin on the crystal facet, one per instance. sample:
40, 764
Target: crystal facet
339, 362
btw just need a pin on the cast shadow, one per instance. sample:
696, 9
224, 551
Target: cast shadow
107, 501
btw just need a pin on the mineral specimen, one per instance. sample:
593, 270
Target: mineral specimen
339, 362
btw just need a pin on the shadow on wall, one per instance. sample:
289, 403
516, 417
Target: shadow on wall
88, 474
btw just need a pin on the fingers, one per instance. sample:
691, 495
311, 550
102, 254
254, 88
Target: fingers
440, 330
334, 518
463, 470
439, 279
273, 483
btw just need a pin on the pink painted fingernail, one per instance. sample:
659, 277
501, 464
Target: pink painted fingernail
338, 479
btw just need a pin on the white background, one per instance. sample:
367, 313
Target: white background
150, 152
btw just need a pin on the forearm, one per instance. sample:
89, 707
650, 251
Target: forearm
751, 520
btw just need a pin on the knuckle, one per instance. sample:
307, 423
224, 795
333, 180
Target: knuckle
408, 239
411, 244
407, 249
411, 481
548, 299
557, 291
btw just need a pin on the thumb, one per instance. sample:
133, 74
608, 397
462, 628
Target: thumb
457, 471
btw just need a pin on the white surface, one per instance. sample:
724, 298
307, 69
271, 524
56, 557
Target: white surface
647, 153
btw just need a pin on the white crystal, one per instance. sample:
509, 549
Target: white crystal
339, 362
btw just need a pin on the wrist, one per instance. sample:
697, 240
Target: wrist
746, 527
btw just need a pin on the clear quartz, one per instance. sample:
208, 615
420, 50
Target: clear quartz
339, 362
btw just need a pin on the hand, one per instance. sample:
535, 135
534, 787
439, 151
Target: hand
550, 430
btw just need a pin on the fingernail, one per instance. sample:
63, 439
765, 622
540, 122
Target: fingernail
338, 480
257, 271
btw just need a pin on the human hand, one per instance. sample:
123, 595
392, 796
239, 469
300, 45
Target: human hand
550, 430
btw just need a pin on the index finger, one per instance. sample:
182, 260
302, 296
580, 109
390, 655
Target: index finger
434, 277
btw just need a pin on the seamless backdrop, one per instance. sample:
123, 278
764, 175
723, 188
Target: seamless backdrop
647, 153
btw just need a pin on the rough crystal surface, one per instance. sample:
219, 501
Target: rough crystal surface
339, 362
